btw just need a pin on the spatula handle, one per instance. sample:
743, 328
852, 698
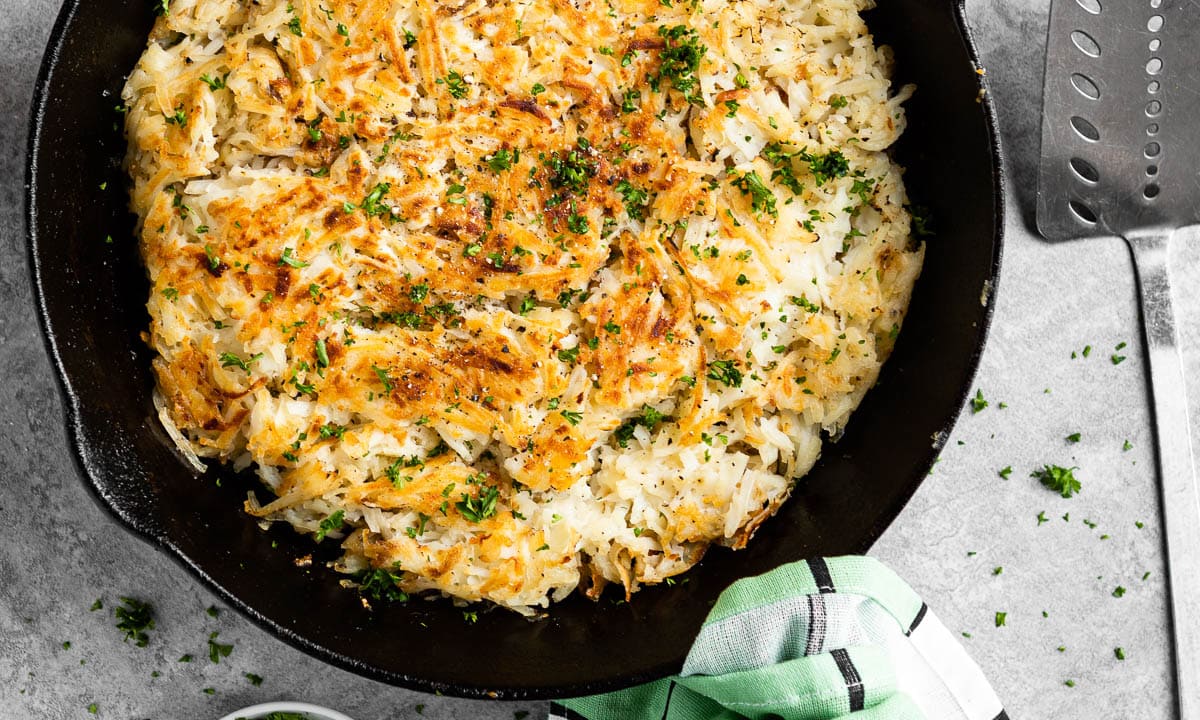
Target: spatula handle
1177, 475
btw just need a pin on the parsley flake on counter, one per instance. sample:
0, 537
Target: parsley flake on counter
254, 680
1127, 446
1118, 591
134, 618
1117, 359
98, 605
1119, 653
1041, 518
1074, 437
1001, 619
978, 403
1069, 683
1005, 472
997, 570
217, 650
93, 708
1061, 480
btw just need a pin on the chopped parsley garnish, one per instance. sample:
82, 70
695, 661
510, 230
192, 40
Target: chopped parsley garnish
571, 171
179, 117
827, 167
371, 204
578, 224
612, 328
978, 403
635, 199
322, 353
572, 416
732, 106
649, 419
161, 7
680, 60
294, 23
170, 293
537, 89
503, 159
726, 372
330, 524
383, 378
1059, 479
837, 102
228, 359
134, 618
217, 650
455, 84
805, 304
213, 83
288, 258
783, 174
629, 101
761, 198
480, 508
381, 584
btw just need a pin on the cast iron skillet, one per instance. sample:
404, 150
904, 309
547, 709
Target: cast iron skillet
91, 296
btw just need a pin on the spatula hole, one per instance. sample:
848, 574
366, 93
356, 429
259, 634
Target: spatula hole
1092, 6
1082, 212
1151, 191
1152, 170
1086, 43
1152, 129
1153, 108
1156, 23
1153, 149
1085, 86
1085, 170
1155, 44
1155, 66
1086, 130
1153, 87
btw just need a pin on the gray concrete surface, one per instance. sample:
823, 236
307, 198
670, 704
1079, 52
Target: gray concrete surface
59, 552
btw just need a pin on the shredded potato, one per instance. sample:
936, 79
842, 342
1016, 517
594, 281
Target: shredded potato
517, 297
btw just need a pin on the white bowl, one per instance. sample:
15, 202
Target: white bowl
314, 712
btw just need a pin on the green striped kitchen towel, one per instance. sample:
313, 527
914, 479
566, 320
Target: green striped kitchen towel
827, 638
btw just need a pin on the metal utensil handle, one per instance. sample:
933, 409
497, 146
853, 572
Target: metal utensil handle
1177, 476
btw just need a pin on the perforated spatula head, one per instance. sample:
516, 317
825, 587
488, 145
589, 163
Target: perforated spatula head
1121, 119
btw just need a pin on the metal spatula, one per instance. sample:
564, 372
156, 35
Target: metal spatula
1121, 156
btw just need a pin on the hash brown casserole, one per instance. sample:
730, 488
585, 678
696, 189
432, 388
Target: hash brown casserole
514, 297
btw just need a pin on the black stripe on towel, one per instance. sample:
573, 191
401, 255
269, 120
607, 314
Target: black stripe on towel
854, 685
562, 712
917, 620
816, 625
667, 707
820, 573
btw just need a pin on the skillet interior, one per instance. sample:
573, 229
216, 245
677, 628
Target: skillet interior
91, 297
